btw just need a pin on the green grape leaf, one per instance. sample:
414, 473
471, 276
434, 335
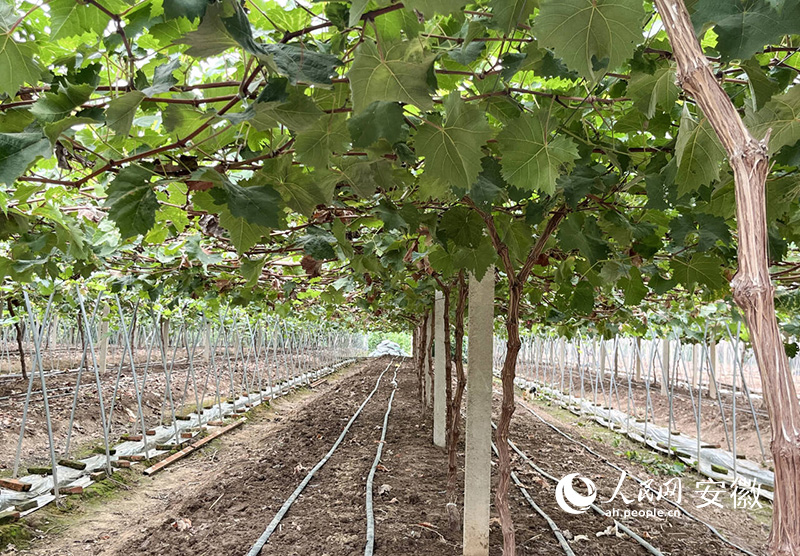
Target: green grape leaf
297, 111
391, 71
318, 243
315, 145
211, 37
304, 192
18, 150
478, 260
452, 147
698, 152
743, 27
581, 233
591, 36
69, 18
658, 90
430, 7
633, 287
131, 201
379, 120
225, 25
57, 128
163, 79
52, 107
17, 65
251, 270
190, 9
357, 9
489, 186
762, 87
257, 204
462, 226
299, 63
364, 177
121, 111
508, 13
781, 114
243, 234
582, 301
702, 268
532, 160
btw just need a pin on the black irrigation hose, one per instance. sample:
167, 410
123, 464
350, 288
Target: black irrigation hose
641, 483
255, 550
556, 531
368, 549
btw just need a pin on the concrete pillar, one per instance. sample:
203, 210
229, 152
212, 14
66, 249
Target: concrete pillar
102, 360
439, 379
712, 375
665, 362
478, 437
602, 368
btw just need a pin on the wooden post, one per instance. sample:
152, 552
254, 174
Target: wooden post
439, 382
752, 287
478, 453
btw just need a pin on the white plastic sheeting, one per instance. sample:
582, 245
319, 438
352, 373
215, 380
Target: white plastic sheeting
660, 440
387, 347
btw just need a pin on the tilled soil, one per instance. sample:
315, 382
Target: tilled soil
228, 505
679, 534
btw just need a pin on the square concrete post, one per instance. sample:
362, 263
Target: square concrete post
439, 378
712, 373
478, 437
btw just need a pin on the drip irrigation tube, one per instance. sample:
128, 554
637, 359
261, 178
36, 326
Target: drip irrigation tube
371, 477
640, 482
255, 550
553, 527
620, 526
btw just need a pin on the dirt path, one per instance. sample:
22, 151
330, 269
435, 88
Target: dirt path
219, 501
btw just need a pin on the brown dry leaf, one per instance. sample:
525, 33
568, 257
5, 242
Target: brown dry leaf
311, 265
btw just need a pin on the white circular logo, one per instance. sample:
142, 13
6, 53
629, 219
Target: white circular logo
571, 501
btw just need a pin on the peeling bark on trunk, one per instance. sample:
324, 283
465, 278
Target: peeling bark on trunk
752, 288
423, 353
506, 412
20, 328
454, 416
516, 281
